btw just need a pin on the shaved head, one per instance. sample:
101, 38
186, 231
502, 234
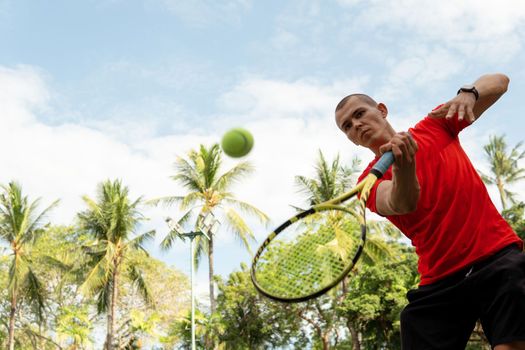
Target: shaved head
365, 98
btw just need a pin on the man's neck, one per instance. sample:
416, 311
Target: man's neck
389, 133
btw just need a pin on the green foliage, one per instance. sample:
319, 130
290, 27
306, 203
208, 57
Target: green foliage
170, 298
73, 325
20, 227
111, 220
250, 320
504, 167
374, 300
209, 191
516, 218
330, 180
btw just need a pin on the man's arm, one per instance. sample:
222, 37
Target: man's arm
401, 194
490, 88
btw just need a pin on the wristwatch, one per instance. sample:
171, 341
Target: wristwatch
469, 88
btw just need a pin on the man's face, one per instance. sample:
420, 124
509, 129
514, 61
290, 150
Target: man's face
364, 124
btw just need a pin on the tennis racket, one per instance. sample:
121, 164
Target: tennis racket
313, 251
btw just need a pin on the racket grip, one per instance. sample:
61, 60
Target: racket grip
382, 165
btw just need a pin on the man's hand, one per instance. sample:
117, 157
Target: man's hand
463, 104
404, 148
400, 195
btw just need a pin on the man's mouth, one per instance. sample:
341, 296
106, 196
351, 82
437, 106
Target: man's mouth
363, 133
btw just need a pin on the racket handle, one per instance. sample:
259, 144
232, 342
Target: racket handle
382, 165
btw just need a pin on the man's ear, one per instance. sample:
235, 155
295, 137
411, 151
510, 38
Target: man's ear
382, 108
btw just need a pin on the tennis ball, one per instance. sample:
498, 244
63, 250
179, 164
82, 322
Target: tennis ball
237, 142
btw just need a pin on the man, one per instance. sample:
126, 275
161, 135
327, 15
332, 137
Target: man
470, 261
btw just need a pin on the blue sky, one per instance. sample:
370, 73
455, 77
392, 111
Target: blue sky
101, 89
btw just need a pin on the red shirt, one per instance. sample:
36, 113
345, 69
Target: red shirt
455, 223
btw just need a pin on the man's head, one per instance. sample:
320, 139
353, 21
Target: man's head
363, 121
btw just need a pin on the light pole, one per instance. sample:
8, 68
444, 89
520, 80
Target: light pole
207, 225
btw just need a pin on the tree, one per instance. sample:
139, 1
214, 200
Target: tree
208, 191
516, 219
170, 294
59, 260
112, 220
504, 167
251, 321
333, 180
375, 298
330, 181
20, 227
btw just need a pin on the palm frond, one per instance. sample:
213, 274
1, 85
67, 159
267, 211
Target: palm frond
138, 242
98, 277
36, 293
248, 209
187, 175
190, 199
234, 175
503, 165
138, 280
37, 222
239, 228
166, 202
102, 297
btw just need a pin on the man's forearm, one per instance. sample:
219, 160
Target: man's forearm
491, 85
400, 195
490, 88
405, 191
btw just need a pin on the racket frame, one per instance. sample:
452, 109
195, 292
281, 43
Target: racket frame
363, 188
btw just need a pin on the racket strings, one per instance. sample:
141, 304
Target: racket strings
309, 254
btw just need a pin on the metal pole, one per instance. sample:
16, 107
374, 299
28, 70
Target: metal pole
192, 298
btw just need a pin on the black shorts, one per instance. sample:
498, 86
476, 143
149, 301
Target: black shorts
442, 315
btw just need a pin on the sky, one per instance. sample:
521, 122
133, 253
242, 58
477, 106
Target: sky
111, 89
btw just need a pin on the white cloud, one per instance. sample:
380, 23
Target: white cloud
267, 99
421, 67
21, 90
485, 30
68, 160
290, 122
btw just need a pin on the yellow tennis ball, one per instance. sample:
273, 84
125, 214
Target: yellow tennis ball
237, 142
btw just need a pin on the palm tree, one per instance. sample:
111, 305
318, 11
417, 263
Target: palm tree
504, 167
20, 227
209, 190
330, 181
112, 220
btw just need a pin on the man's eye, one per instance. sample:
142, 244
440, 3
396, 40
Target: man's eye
359, 114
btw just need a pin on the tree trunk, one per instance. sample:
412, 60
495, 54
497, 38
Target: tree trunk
326, 341
12, 313
210, 261
356, 345
112, 309
502, 195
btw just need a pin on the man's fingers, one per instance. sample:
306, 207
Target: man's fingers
461, 112
471, 115
385, 148
451, 112
440, 112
